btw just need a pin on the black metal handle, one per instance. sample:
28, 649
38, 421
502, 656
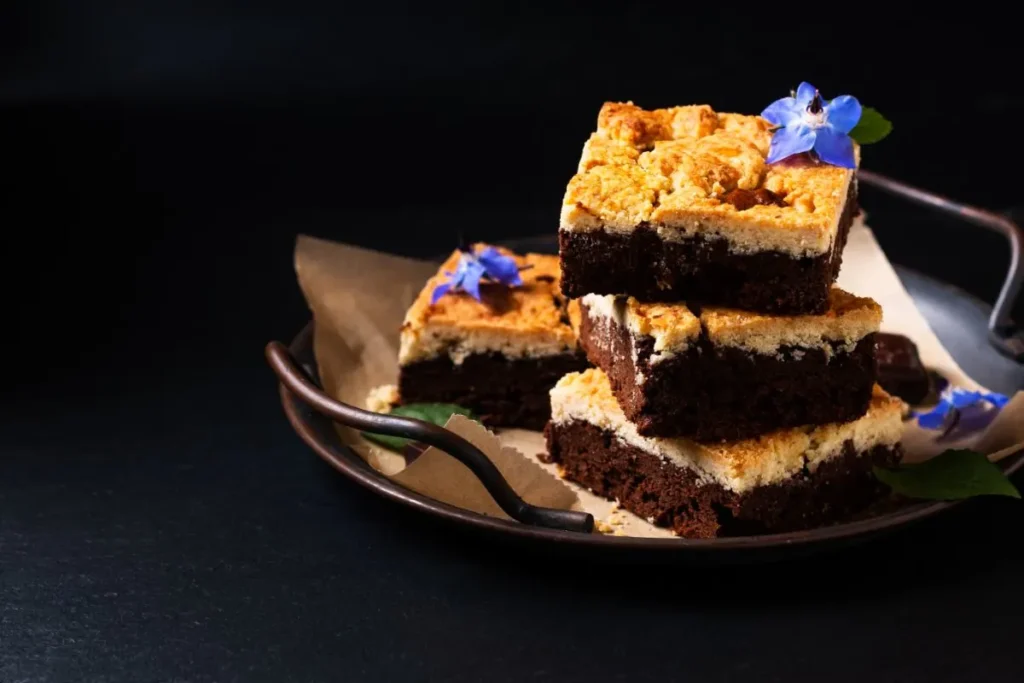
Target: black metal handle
296, 380
1002, 331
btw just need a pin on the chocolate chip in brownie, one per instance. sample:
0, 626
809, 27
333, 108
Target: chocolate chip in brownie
746, 199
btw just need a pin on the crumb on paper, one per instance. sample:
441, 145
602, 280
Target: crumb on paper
611, 527
616, 518
382, 399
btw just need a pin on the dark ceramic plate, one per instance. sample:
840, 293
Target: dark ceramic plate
959, 320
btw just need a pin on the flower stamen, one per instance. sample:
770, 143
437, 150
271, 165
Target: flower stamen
816, 106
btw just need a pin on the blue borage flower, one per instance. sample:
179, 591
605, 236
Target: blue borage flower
807, 123
962, 411
486, 264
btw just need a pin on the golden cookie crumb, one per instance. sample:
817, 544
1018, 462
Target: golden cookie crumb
674, 169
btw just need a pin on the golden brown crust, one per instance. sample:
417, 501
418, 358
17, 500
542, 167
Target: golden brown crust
881, 424
848, 320
602, 151
671, 324
674, 327
737, 465
526, 321
672, 168
614, 195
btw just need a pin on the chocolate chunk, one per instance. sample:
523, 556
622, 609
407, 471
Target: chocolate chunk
745, 199
900, 371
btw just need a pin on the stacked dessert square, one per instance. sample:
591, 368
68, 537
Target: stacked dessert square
496, 350
734, 388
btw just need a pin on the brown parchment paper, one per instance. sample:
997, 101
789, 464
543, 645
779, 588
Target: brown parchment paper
358, 299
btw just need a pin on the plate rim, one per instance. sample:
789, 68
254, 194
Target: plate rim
347, 462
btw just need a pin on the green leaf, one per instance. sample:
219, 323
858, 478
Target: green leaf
951, 475
438, 413
872, 127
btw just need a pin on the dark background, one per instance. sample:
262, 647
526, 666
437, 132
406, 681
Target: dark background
159, 521
160, 147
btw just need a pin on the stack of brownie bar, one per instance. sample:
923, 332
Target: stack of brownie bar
735, 386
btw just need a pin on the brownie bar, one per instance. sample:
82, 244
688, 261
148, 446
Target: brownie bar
681, 204
789, 479
498, 355
700, 269
706, 390
502, 392
675, 498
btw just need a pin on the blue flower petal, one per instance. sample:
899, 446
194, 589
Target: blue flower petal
804, 94
783, 112
440, 291
935, 417
971, 419
454, 281
965, 397
499, 267
789, 141
998, 400
471, 282
460, 270
962, 411
961, 398
843, 113
834, 147
471, 268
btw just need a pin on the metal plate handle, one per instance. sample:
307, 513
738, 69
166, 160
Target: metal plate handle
1003, 333
297, 381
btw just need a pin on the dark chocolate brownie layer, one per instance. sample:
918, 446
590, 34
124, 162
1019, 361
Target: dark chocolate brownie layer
673, 497
502, 392
900, 371
723, 393
700, 270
